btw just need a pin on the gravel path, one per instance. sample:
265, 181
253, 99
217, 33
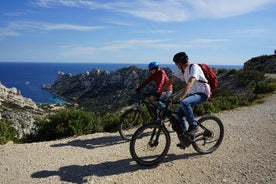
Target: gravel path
247, 155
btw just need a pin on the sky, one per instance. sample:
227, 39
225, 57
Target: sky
136, 31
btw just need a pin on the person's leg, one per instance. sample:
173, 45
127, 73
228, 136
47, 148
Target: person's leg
181, 136
180, 116
189, 102
163, 98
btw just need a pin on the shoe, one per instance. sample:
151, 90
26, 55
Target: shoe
181, 146
192, 130
184, 141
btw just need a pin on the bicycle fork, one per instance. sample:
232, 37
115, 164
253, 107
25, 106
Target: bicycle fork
153, 142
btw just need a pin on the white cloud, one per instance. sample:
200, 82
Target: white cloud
16, 28
69, 27
225, 8
252, 32
118, 23
204, 42
114, 46
168, 10
136, 44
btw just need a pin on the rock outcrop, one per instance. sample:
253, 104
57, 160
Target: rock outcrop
20, 112
13, 96
265, 64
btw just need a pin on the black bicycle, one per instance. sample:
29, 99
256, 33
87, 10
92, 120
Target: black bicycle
151, 142
141, 112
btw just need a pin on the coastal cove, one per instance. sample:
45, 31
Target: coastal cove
29, 77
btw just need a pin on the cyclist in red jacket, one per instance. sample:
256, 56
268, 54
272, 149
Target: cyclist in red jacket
160, 77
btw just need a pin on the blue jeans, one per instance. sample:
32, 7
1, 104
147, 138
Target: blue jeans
185, 108
164, 97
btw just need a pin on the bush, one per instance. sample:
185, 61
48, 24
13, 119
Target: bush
223, 101
62, 124
68, 122
110, 122
266, 86
7, 132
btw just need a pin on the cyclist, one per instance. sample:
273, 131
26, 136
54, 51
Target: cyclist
159, 76
194, 92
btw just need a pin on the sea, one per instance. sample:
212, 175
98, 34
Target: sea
29, 77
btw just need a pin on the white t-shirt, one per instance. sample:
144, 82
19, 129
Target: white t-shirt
196, 72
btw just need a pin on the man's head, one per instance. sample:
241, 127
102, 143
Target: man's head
153, 66
181, 59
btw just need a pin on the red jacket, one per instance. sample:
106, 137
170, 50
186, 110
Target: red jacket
160, 77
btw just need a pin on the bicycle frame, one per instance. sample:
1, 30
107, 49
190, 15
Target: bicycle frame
150, 107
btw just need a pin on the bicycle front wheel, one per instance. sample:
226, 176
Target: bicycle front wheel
210, 134
130, 121
150, 144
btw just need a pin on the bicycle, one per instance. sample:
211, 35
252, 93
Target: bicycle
136, 116
151, 142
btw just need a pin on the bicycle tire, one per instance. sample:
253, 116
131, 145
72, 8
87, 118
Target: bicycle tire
146, 152
210, 134
129, 121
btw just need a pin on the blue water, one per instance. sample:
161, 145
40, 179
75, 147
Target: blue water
30, 77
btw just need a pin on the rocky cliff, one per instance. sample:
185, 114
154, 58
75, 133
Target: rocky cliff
19, 112
265, 64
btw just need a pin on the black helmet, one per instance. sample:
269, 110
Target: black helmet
181, 57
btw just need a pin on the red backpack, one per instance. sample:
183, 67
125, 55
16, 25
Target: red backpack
210, 75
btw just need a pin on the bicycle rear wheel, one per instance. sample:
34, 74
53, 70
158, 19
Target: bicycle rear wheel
150, 144
210, 134
130, 120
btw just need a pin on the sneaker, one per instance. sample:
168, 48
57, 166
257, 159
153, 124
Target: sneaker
181, 146
184, 141
192, 130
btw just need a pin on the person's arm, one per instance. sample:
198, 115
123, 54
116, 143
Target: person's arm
145, 82
160, 78
171, 81
187, 88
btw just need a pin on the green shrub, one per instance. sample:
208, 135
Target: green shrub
110, 122
220, 103
205, 108
266, 86
7, 132
250, 76
63, 123
234, 72
221, 71
68, 122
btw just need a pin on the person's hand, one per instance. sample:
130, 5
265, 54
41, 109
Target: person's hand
175, 101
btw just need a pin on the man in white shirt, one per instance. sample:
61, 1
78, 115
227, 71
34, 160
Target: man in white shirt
194, 93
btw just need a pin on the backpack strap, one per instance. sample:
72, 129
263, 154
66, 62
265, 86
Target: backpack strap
190, 66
